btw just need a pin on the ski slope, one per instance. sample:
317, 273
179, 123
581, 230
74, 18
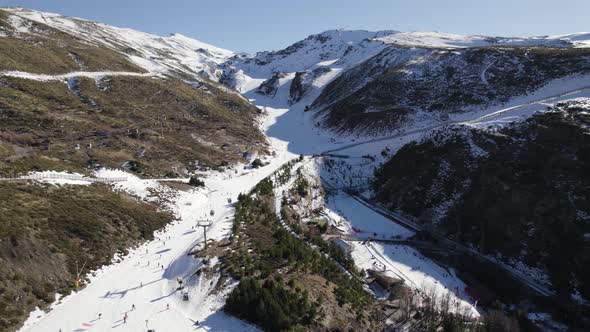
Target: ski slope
147, 276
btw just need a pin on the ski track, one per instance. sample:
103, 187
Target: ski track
482, 76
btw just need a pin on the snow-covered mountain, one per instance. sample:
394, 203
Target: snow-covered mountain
155, 54
309, 64
373, 82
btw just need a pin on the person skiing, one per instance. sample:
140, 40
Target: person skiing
167, 306
99, 315
125, 318
132, 307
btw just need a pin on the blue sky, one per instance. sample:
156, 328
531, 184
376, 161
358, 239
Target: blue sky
255, 25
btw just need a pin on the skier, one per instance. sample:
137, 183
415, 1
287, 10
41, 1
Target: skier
99, 315
125, 318
141, 284
167, 306
132, 307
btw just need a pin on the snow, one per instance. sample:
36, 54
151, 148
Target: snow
115, 288
336, 50
545, 320
449, 40
134, 185
522, 107
65, 178
58, 178
19, 24
156, 54
419, 272
362, 223
537, 275
67, 76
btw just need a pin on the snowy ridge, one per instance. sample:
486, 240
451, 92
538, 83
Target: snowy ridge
156, 54
449, 40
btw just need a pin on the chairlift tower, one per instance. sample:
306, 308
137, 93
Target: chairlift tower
204, 224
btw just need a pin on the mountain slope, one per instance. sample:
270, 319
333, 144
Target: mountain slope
520, 191
375, 82
103, 109
401, 84
77, 96
173, 54
48, 232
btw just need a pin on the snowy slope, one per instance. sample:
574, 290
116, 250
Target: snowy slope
156, 54
318, 59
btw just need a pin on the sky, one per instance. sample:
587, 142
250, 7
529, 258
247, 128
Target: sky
257, 25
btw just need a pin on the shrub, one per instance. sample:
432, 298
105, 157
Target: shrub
257, 163
196, 182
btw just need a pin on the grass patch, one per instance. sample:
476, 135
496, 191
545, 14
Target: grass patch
164, 125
